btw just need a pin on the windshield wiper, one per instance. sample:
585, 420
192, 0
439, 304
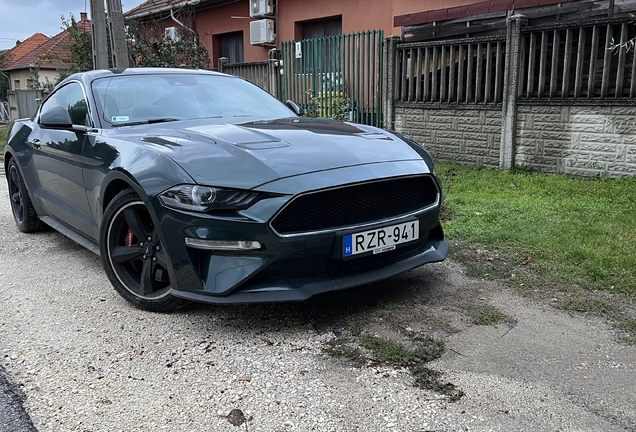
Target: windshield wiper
149, 121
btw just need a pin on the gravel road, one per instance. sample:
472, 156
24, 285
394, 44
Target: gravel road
86, 361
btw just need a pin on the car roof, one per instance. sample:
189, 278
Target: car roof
89, 76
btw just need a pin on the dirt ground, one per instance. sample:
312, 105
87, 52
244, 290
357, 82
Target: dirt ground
86, 361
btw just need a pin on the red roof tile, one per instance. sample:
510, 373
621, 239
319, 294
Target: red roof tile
152, 7
28, 45
49, 55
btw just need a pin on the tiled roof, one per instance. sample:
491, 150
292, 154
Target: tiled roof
153, 7
468, 10
49, 55
24, 48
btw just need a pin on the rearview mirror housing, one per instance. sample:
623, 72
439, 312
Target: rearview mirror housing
295, 108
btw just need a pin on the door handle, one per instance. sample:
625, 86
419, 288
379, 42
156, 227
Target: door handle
35, 143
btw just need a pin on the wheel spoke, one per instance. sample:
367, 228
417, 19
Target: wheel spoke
15, 179
131, 216
123, 254
161, 260
145, 281
16, 197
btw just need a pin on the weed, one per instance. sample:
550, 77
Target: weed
398, 355
489, 315
424, 350
431, 380
345, 348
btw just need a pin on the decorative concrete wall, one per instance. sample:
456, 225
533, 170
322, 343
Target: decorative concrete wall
582, 141
470, 136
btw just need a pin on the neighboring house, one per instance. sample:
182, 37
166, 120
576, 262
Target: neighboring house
12, 56
229, 29
41, 53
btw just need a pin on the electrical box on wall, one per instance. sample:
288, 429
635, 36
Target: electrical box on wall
262, 32
171, 33
261, 8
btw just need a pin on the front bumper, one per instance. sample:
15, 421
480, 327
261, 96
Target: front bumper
286, 268
285, 293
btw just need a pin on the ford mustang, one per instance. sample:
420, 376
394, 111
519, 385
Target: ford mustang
199, 186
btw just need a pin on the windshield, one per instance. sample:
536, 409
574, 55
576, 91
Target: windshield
136, 99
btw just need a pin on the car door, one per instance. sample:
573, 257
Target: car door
57, 157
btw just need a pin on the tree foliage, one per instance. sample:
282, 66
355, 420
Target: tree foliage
79, 47
4, 83
148, 46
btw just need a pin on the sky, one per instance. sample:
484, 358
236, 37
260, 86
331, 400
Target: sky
19, 19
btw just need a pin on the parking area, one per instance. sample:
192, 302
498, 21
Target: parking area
87, 361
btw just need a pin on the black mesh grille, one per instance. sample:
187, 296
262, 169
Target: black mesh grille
355, 204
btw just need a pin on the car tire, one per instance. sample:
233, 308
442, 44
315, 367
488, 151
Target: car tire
133, 256
23, 212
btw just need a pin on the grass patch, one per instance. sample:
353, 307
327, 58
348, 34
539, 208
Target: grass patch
542, 231
629, 326
397, 355
4, 135
363, 348
598, 307
423, 350
489, 315
345, 348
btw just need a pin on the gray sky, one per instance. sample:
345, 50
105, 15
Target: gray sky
19, 19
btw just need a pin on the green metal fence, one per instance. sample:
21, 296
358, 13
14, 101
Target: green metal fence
339, 76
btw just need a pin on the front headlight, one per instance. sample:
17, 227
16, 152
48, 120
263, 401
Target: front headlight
206, 198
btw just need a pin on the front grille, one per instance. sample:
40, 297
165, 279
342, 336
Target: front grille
355, 204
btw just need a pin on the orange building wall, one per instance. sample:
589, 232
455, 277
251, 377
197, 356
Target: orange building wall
357, 15
213, 21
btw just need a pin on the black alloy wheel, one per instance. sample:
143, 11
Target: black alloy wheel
133, 256
23, 212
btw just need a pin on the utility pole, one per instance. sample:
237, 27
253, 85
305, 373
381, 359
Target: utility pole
119, 49
100, 40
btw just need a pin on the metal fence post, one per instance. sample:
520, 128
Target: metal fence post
509, 106
273, 75
390, 44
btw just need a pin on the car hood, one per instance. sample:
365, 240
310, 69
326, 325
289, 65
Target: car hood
252, 154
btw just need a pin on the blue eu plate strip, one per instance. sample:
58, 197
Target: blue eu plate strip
347, 247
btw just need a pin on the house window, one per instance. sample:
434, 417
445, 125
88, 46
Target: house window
231, 46
16, 84
322, 28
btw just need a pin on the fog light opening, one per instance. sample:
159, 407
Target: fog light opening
234, 245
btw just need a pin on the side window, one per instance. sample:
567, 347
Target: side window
71, 98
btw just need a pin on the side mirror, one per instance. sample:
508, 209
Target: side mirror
295, 108
57, 118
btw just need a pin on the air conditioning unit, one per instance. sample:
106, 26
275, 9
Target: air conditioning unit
171, 33
262, 32
261, 8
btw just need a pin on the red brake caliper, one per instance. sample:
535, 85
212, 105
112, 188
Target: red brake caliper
130, 236
129, 241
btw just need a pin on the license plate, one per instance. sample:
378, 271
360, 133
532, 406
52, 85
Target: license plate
380, 240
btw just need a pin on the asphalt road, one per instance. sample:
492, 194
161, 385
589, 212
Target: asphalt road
13, 418
81, 359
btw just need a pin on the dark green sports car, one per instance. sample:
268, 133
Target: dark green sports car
194, 185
